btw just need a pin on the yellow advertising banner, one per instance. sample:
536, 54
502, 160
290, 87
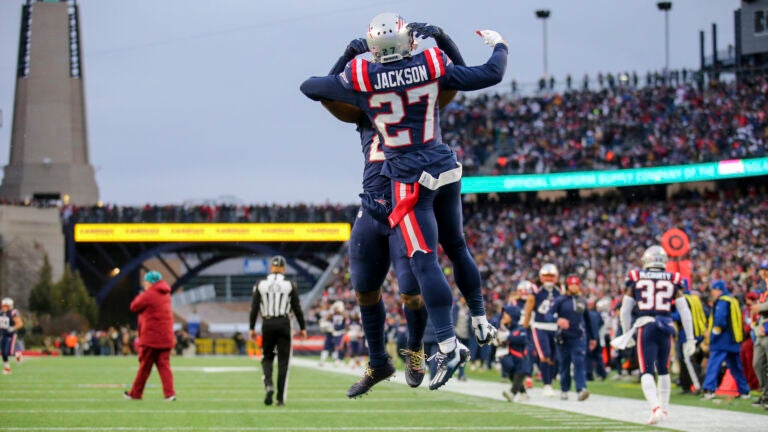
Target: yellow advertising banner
211, 232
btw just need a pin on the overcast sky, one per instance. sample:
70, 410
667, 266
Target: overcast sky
198, 99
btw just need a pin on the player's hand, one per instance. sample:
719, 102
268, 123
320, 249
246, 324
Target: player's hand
592, 344
424, 30
302, 334
563, 323
689, 348
491, 37
356, 47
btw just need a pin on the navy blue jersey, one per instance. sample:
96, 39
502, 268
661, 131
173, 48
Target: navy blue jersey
373, 181
8, 322
654, 291
574, 309
545, 298
401, 101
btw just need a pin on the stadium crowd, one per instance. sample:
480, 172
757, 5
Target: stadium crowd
611, 127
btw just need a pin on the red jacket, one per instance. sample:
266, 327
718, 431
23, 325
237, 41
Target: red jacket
155, 316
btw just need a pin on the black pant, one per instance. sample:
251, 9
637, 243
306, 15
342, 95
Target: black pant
276, 333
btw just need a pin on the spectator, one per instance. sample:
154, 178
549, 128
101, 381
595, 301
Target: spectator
156, 337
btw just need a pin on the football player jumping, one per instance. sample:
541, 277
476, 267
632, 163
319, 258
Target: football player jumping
373, 243
399, 93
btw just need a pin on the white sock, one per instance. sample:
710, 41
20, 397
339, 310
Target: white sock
447, 345
665, 388
649, 389
6, 365
479, 320
323, 356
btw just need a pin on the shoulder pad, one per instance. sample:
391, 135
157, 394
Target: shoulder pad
633, 276
356, 73
436, 62
677, 278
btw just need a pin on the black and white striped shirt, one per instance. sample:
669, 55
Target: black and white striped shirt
275, 297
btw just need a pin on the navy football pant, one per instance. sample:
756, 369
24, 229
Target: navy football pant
372, 246
544, 342
420, 231
7, 346
653, 350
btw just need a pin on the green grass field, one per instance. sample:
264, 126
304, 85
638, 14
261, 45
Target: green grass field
85, 394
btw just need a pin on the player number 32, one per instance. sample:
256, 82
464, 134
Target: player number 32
655, 295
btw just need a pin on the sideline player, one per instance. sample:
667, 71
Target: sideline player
399, 93
543, 325
654, 291
10, 323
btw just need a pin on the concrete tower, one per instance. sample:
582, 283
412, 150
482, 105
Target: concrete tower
49, 141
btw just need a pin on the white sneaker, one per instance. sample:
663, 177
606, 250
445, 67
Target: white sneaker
708, 396
563, 395
656, 415
548, 392
485, 333
522, 397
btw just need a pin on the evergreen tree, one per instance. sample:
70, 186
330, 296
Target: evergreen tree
40, 296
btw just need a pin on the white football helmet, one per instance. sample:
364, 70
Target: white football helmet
655, 258
548, 275
525, 287
7, 301
389, 38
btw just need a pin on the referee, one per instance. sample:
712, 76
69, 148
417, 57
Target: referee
274, 298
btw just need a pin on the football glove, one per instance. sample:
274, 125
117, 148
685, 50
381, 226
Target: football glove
356, 47
424, 30
689, 348
378, 208
491, 38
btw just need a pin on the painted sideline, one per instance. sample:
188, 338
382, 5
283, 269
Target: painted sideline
682, 417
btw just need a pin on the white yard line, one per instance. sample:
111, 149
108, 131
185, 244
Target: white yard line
682, 417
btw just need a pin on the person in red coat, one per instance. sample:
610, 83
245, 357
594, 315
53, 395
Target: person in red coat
156, 337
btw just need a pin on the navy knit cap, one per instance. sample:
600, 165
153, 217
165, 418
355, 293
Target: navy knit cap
153, 276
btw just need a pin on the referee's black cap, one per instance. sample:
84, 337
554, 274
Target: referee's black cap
278, 261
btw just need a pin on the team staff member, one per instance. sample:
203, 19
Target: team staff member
574, 330
726, 333
156, 336
275, 298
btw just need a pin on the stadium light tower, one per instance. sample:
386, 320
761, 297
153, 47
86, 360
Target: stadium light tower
543, 14
665, 6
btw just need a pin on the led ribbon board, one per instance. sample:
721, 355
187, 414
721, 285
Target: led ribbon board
212, 232
617, 178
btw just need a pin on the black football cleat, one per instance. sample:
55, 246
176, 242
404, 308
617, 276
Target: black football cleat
414, 366
268, 397
371, 377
